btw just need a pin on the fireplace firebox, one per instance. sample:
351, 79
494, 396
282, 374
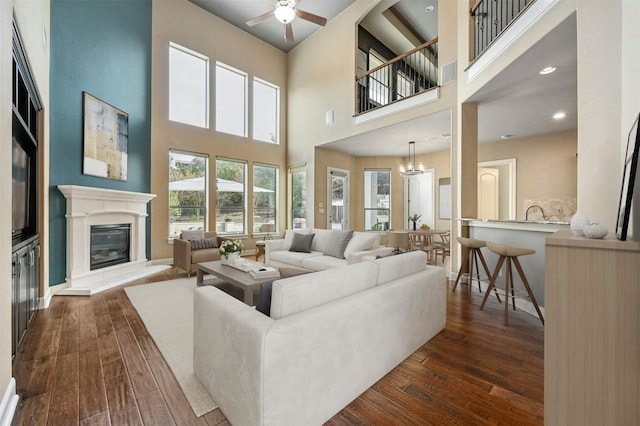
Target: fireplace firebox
110, 245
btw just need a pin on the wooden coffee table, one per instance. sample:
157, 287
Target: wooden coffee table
233, 276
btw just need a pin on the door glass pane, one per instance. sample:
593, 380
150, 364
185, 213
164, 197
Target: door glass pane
338, 213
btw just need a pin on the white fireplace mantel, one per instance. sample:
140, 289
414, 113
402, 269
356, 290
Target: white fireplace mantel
87, 206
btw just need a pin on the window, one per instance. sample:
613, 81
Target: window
230, 196
377, 211
404, 86
265, 198
378, 80
298, 197
231, 100
266, 99
188, 195
188, 86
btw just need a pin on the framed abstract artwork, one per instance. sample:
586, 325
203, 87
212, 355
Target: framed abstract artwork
628, 180
106, 138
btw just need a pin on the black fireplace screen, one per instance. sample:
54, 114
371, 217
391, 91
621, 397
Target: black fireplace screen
109, 245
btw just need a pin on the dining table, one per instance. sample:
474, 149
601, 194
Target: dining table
423, 239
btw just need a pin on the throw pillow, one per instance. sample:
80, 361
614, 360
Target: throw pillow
288, 236
360, 242
203, 243
192, 234
301, 243
338, 243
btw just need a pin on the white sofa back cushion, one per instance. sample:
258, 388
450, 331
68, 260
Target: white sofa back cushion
321, 240
302, 292
288, 236
394, 267
361, 241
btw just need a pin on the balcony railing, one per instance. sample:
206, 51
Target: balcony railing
491, 18
409, 74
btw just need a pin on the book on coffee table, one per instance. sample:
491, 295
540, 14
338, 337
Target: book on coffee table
264, 272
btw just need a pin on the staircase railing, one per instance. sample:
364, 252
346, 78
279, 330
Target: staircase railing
491, 18
406, 75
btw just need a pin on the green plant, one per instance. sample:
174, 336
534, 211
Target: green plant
415, 217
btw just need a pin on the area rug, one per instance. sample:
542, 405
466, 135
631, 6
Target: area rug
166, 309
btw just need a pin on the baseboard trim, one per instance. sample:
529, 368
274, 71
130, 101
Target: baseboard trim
8, 404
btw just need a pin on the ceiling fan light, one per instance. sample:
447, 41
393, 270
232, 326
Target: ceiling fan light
284, 12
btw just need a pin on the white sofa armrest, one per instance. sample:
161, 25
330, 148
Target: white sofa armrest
232, 376
358, 256
270, 246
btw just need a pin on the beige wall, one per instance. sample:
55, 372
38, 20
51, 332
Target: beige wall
324, 158
32, 17
225, 43
546, 165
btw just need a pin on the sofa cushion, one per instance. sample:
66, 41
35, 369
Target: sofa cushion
297, 294
192, 234
302, 243
292, 258
394, 267
361, 241
321, 240
204, 243
205, 255
337, 243
320, 263
288, 236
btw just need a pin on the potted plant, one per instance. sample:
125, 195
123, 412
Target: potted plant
229, 250
414, 218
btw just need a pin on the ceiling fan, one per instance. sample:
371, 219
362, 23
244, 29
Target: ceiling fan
285, 11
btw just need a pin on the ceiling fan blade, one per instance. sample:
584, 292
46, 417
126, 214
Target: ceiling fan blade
259, 19
288, 33
311, 17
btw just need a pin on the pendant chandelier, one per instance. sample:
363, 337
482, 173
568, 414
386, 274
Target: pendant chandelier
410, 169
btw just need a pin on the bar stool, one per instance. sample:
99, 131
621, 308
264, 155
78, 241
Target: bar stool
470, 258
510, 254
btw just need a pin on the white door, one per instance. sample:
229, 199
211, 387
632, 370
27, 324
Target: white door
419, 199
488, 193
338, 196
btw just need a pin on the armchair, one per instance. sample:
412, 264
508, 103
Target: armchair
187, 258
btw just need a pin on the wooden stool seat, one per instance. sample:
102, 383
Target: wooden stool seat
510, 254
471, 257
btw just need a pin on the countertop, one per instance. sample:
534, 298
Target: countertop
523, 225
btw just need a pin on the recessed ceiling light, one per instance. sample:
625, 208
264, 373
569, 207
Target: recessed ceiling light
429, 9
559, 115
547, 70
507, 136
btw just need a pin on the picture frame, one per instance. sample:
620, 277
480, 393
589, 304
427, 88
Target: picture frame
105, 139
628, 180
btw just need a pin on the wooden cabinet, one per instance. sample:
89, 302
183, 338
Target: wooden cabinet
25, 283
592, 331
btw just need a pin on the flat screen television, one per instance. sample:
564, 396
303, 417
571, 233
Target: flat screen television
24, 211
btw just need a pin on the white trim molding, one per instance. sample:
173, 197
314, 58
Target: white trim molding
411, 102
8, 404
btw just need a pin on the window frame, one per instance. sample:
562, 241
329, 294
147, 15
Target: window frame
276, 118
276, 198
290, 210
245, 100
206, 89
206, 191
367, 209
224, 230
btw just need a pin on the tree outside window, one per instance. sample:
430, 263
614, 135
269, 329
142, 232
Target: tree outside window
377, 200
230, 196
265, 197
187, 192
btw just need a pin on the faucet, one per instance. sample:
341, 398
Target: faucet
534, 206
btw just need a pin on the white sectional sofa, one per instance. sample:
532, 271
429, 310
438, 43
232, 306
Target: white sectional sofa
362, 244
331, 335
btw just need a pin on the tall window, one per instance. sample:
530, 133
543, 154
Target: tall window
231, 100
266, 97
298, 197
378, 80
265, 198
188, 86
188, 195
377, 201
404, 86
230, 196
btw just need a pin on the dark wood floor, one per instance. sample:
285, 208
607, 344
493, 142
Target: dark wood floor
90, 361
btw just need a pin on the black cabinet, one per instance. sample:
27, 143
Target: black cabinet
25, 284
